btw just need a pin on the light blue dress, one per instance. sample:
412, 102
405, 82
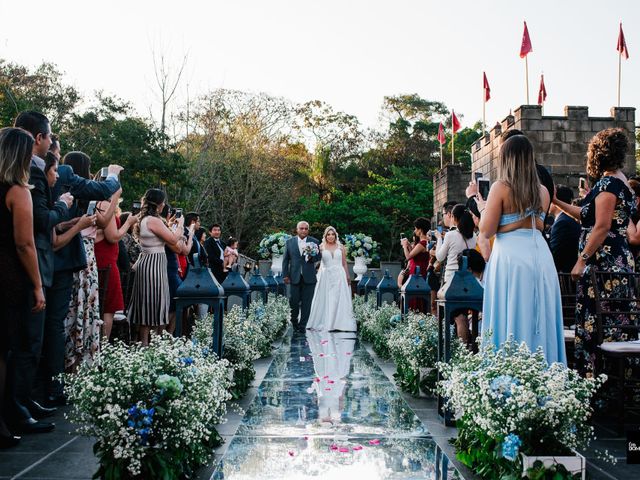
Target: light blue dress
522, 293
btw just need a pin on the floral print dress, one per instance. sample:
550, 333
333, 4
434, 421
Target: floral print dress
613, 255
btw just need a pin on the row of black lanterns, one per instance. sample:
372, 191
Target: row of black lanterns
201, 287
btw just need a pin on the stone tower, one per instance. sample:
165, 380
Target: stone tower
559, 143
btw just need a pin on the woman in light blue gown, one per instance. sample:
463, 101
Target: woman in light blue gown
521, 289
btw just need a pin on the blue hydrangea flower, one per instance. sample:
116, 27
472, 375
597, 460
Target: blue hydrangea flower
502, 384
511, 446
417, 340
187, 360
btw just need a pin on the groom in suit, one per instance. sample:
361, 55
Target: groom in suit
300, 274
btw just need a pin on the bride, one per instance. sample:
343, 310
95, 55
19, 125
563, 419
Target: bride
331, 308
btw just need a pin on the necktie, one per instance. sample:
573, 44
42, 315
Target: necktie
221, 252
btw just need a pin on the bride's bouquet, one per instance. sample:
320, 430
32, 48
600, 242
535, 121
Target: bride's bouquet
310, 250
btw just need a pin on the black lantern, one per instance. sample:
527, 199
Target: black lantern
387, 286
415, 288
371, 285
200, 286
272, 283
463, 294
362, 284
258, 285
236, 286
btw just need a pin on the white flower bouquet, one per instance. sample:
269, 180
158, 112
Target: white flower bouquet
510, 400
152, 410
273, 244
361, 245
310, 250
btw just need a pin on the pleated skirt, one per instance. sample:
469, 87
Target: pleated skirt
522, 295
149, 304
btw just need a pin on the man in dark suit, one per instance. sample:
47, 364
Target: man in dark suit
70, 258
215, 252
28, 342
565, 234
300, 273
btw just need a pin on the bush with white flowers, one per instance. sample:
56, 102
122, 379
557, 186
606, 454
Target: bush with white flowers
361, 245
152, 410
509, 400
273, 244
376, 323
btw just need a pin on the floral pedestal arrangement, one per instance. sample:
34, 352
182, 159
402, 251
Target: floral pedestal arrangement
360, 267
276, 264
362, 249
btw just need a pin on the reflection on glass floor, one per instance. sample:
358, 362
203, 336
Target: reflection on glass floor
326, 410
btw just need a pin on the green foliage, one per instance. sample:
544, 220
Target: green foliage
110, 132
385, 207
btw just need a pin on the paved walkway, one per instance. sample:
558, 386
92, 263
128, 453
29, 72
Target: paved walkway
326, 410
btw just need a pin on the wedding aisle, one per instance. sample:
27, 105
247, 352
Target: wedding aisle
326, 410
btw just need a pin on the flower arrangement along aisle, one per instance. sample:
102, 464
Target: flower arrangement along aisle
361, 245
273, 244
508, 401
151, 409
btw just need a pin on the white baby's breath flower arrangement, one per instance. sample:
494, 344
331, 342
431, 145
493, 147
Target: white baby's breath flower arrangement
509, 400
152, 410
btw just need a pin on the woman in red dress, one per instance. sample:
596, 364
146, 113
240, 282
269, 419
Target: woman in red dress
106, 250
418, 256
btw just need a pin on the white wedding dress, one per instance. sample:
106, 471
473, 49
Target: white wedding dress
331, 308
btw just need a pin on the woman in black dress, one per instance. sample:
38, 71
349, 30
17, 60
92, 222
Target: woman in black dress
604, 216
18, 259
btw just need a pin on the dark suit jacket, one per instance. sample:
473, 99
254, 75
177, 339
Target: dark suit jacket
295, 265
214, 254
46, 215
563, 241
72, 256
200, 250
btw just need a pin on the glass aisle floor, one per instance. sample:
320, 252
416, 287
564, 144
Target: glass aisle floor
326, 410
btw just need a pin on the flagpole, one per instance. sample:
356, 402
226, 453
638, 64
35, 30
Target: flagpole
526, 69
453, 141
441, 158
619, 74
484, 114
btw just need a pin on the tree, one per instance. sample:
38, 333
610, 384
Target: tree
382, 209
41, 89
109, 132
167, 80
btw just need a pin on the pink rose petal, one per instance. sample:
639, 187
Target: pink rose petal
343, 449
305, 437
321, 355
348, 353
330, 381
327, 389
333, 446
316, 380
325, 377
357, 447
375, 441
291, 454
324, 341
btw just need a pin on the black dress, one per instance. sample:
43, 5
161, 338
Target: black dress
14, 282
613, 255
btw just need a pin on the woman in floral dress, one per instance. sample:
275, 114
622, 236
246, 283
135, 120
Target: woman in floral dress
604, 216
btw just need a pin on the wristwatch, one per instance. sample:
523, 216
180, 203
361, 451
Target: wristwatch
584, 256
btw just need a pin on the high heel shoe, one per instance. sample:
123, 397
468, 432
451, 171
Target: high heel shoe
8, 441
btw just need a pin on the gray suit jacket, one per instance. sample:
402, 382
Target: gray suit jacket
295, 266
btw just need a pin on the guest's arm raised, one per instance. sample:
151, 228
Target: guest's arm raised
159, 229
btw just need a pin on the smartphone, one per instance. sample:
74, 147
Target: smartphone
104, 172
402, 235
91, 209
582, 183
440, 229
178, 212
135, 207
484, 185
477, 176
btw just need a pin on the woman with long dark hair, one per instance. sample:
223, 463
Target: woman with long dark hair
460, 237
522, 293
418, 258
150, 298
20, 276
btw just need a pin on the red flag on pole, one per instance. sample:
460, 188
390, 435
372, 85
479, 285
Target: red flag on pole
441, 138
526, 47
542, 93
455, 123
487, 89
622, 44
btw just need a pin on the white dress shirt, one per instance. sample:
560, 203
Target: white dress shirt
302, 242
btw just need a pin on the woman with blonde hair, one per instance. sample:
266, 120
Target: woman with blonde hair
331, 308
522, 293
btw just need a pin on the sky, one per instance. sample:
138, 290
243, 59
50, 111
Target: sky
348, 53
